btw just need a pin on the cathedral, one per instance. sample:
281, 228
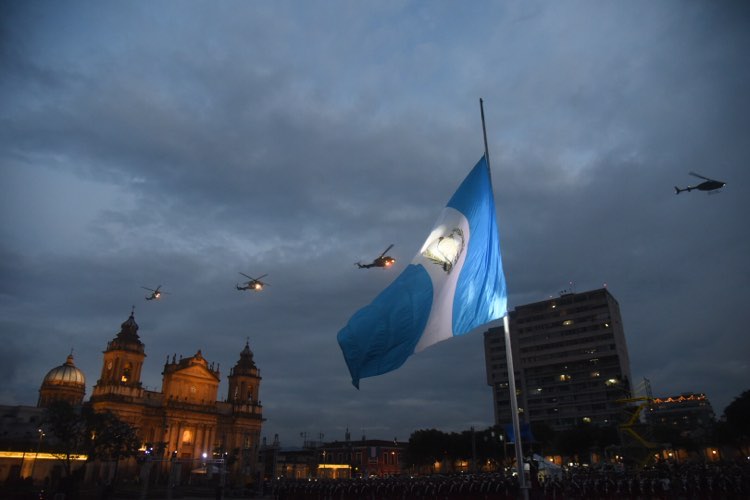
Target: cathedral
185, 421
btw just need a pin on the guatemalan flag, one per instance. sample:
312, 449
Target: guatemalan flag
453, 285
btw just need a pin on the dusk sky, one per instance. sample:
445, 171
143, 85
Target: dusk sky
181, 143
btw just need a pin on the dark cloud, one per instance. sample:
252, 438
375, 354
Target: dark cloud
179, 145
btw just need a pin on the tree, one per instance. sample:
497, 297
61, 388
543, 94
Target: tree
109, 438
65, 424
575, 442
544, 436
489, 444
426, 447
78, 430
736, 425
581, 440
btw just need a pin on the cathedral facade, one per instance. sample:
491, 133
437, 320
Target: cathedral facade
185, 422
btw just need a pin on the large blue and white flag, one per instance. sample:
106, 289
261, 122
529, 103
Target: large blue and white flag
453, 285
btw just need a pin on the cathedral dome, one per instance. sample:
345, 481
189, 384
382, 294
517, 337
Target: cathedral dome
64, 382
65, 374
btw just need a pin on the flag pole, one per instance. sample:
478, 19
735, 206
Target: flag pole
484, 133
509, 359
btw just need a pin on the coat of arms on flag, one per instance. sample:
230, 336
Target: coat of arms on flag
454, 284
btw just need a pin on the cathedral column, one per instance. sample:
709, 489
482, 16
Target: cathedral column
211, 438
199, 438
172, 436
204, 440
178, 441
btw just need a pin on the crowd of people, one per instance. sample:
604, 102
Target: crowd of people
661, 481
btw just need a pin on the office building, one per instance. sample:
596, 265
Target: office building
570, 360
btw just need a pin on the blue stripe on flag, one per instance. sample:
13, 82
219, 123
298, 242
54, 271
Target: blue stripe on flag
481, 295
381, 336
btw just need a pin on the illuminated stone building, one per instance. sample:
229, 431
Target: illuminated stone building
570, 360
185, 419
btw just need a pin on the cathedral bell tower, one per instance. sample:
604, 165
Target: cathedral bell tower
244, 380
123, 360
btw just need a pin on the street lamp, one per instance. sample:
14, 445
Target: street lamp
501, 438
38, 447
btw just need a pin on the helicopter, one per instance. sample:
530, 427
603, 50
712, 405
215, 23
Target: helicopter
255, 284
382, 261
155, 294
710, 185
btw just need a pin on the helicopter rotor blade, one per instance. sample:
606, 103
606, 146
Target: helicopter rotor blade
386, 250
260, 277
700, 176
246, 276
149, 289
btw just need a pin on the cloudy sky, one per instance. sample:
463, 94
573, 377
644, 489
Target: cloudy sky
180, 143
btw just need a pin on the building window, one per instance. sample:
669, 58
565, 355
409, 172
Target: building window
187, 436
126, 372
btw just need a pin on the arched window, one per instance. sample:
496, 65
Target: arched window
187, 436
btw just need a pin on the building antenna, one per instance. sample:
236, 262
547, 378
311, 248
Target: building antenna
570, 290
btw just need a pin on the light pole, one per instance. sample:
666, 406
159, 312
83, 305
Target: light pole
501, 438
38, 447
505, 450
